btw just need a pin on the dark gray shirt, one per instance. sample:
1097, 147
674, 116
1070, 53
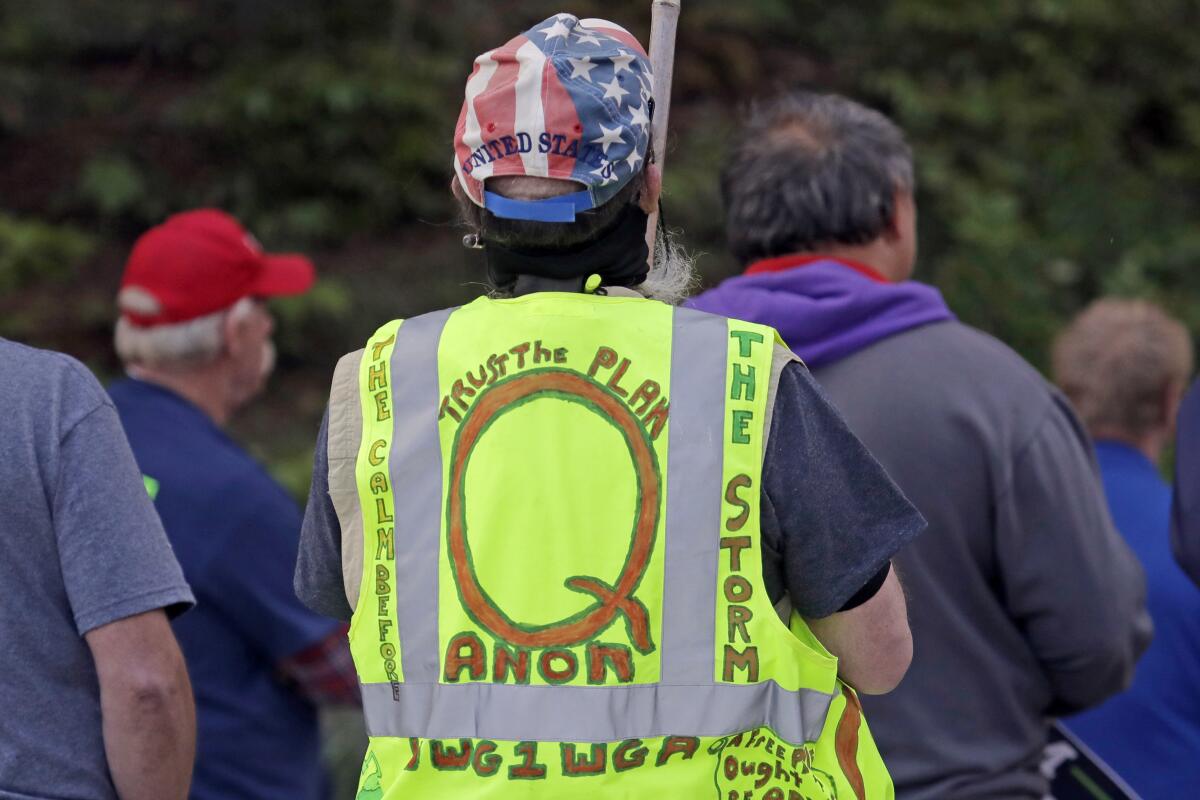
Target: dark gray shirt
80, 547
831, 516
1024, 601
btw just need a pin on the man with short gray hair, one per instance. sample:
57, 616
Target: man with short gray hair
1023, 600
1125, 364
195, 336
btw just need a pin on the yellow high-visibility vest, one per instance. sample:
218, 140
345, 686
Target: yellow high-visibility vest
550, 522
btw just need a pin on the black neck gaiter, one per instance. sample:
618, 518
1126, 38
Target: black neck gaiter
619, 256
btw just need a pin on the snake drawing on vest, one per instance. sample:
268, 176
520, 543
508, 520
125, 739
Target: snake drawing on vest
612, 599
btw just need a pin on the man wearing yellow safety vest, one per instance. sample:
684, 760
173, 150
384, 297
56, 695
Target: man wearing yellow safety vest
568, 549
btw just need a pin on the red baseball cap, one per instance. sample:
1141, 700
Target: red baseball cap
200, 262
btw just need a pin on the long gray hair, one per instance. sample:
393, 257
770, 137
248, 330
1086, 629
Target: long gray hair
672, 277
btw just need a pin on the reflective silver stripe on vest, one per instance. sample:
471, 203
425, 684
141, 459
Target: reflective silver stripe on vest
699, 345
590, 713
415, 467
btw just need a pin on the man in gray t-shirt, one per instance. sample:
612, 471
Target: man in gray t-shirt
94, 694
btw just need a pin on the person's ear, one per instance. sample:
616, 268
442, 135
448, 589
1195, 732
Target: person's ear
904, 210
651, 188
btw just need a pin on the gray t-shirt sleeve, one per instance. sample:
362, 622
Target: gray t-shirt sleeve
831, 518
1068, 578
318, 580
115, 558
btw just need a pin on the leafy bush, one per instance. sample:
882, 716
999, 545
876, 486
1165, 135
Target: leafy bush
33, 251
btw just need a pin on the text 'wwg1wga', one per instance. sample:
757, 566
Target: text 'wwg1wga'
533, 761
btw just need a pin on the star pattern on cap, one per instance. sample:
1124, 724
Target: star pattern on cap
647, 86
608, 136
613, 89
557, 29
620, 130
587, 37
582, 68
639, 116
621, 62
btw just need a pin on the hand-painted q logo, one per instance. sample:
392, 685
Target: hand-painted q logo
575, 388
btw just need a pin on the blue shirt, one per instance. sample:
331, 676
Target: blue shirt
236, 533
1150, 734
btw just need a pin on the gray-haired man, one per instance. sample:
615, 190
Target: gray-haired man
1024, 602
195, 336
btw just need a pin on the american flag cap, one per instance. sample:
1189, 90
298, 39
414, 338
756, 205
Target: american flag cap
569, 99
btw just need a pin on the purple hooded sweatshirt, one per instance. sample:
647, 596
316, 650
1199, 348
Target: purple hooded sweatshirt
825, 309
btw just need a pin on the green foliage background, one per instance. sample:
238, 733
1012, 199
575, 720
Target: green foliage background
1057, 141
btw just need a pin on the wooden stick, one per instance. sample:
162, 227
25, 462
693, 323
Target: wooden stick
664, 18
